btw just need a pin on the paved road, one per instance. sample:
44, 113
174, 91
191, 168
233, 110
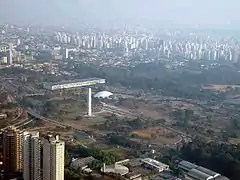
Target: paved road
116, 110
38, 116
34, 114
18, 123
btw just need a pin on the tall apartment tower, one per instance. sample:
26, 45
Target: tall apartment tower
1, 152
31, 156
53, 158
65, 53
10, 54
12, 152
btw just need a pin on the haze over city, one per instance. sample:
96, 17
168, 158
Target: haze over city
119, 89
171, 13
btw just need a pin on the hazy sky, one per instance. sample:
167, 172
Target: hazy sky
165, 12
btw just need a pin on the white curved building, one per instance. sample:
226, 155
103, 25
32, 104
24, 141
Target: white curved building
103, 94
115, 168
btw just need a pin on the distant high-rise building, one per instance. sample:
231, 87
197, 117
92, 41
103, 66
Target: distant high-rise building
10, 54
237, 56
65, 52
31, 156
18, 42
53, 158
12, 152
4, 60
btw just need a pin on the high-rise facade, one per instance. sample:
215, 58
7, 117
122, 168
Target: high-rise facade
1, 151
10, 54
237, 56
31, 156
65, 53
1, 154
12, 152
26, 155
53, 158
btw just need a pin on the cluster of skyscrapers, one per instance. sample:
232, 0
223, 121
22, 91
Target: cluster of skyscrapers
25, 155
191, 47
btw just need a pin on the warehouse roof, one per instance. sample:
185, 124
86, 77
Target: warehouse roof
208, 171
187, 165
198, 175
221, 178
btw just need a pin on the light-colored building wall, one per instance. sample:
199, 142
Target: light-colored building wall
59, 151
31, 156
46, 159
53, 159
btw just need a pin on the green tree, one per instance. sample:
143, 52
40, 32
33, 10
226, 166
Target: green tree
71, 175
67, 158
235, 123
50, 106
222, 158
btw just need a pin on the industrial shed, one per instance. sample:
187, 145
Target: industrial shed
187, 166
221, 178
198, 172
198, 175
208, 171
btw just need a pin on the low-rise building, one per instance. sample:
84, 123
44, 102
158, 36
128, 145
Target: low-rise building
198, 175
115, 168
81, 163
153, 164
134, 176
196, 172
186, 166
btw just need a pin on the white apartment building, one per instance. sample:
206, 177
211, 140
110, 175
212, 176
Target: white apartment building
53, 158
31, 156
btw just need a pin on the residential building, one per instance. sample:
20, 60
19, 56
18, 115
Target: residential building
65, 53
31, 156
53, 158
12, 152
10, 54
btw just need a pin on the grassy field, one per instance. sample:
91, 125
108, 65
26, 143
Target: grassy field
119, 152
111, 149
157, 135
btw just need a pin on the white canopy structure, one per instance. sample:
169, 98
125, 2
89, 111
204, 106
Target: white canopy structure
103, 94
